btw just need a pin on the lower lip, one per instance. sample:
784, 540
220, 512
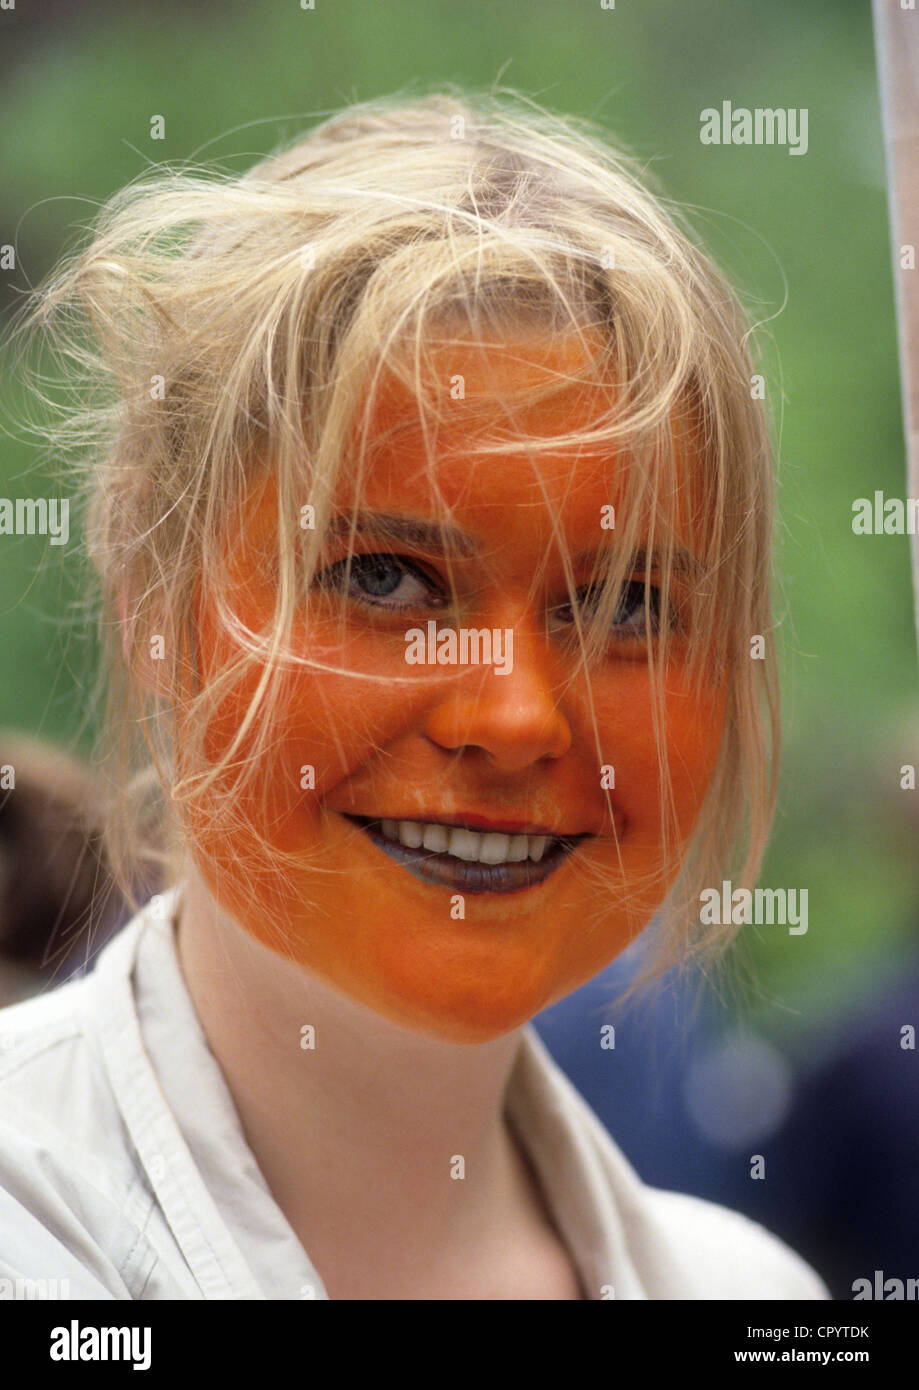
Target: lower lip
471, 877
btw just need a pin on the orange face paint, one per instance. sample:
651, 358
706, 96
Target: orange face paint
462, 745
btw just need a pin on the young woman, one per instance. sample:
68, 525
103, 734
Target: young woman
431, 504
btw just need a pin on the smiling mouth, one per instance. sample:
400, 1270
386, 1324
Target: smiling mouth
469, 861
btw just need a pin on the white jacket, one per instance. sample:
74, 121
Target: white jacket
125, 1174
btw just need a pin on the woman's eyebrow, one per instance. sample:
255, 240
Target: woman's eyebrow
435, 537
440, 538
682, 561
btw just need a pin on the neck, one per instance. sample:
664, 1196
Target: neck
369, 1123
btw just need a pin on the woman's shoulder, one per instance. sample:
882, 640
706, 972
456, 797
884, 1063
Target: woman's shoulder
655, 1244
65, 1172
51, 1065
75, 1206
715, 1252
48, 1070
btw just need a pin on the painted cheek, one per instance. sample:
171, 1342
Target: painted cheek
324, 725
693, 736
261, 863
623, 703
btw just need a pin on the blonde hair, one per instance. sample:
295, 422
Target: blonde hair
266, 306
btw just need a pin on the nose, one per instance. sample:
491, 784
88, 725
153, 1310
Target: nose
516, 717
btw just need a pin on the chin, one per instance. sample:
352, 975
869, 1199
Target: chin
465, 1021
462, 1031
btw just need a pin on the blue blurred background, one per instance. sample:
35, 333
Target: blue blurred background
799, 1060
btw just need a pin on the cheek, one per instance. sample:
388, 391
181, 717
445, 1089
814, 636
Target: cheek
323, 725
631, 874
625, 705
307, 727
695, 733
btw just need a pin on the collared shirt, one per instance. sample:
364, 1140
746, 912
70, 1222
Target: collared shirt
125, 1172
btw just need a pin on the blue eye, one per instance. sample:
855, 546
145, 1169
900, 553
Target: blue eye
628, 618
630, 611
373, 579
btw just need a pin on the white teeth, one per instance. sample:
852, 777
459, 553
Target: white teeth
436, 838
465, 844
494, 847
411, 833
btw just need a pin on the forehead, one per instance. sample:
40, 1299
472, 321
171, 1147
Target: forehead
432, 441
419, 448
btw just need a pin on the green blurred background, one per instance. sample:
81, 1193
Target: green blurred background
805, 239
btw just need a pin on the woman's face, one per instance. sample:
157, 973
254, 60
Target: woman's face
457, 864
